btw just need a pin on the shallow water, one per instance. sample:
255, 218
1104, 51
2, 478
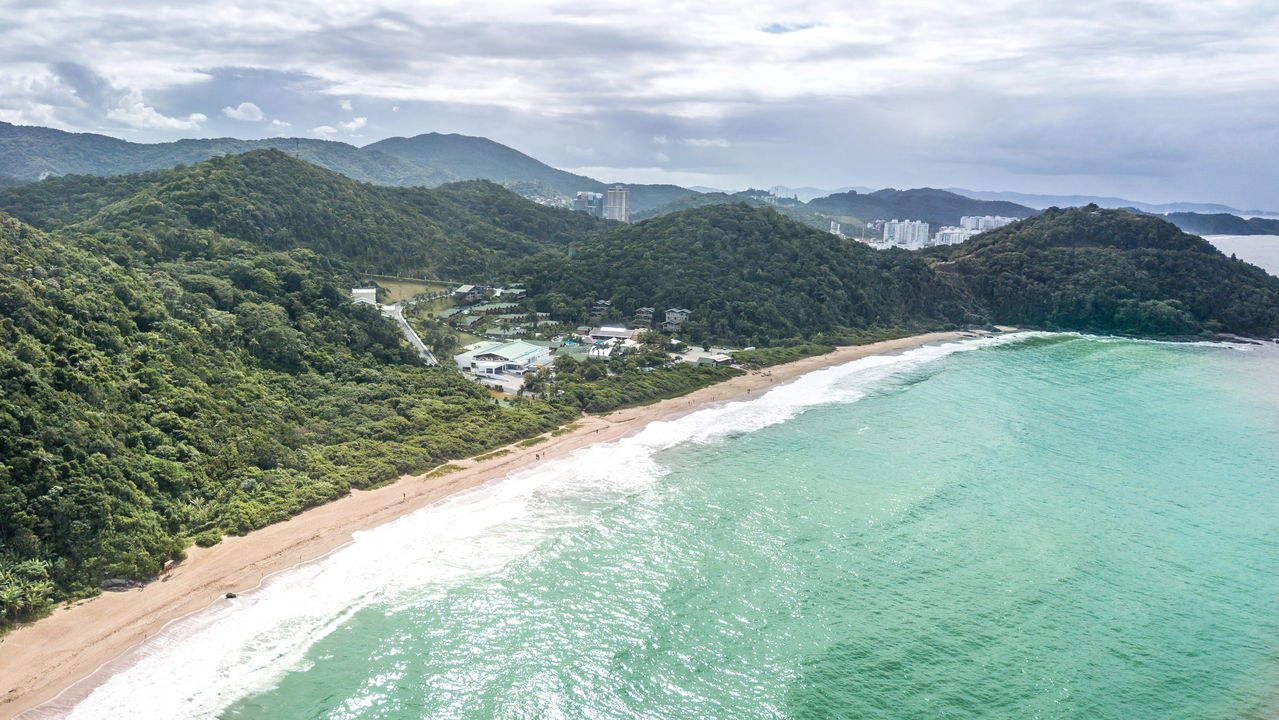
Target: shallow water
1045, 526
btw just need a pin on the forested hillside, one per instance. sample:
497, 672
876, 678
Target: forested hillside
798, 212
462, 231
1113, 271
749, 275
148, 397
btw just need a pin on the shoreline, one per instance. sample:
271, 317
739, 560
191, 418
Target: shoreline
61, 655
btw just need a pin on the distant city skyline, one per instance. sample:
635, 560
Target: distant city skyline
1154, 101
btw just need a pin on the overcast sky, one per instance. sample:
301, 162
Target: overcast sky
1155, 101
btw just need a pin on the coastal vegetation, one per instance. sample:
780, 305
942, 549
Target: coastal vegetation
749, 275
764, 357
1113, 271
151, 398
179, 356
597, 385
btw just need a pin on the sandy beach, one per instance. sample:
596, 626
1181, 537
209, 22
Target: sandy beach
41, 660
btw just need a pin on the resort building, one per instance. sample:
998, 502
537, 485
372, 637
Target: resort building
368, 296
502, 358
612, 333
468, 293
675, 318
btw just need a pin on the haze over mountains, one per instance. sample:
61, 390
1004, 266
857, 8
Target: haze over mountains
30, 153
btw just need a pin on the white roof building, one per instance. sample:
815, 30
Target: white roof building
496, 358
367, 296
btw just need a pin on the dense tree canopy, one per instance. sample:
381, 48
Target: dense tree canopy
145, 401
1113, 271
749, 275
468, 230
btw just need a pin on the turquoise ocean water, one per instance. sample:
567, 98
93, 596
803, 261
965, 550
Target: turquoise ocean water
1047, 526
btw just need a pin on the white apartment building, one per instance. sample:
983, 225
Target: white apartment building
952, 236
982, 223
618, 205
909, 234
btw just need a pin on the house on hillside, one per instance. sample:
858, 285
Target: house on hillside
368, 296
468, 293
675, 318
503, 358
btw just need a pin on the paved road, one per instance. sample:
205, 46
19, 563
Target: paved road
396, 312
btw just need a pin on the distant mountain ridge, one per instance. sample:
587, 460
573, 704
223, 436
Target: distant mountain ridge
1199, 218
1219, 223
29, 153
937, 207
1043, 202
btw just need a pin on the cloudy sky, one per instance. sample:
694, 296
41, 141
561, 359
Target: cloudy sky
1155, 101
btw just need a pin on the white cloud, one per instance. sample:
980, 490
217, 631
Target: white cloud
899, 81
354, 125
662, 157
706, 142
245, 111
280, 123
324, 130
134, 112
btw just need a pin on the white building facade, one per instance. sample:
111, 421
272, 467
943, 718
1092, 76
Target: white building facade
499, 358
909, 234
982, 223
618, 205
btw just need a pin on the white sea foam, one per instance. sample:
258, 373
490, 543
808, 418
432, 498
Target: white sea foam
198, 666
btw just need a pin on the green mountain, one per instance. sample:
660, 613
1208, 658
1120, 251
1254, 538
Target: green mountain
797, 211
1113, 271
749, 275
31, 153
936, 207
465, 230
752, 276
470, 157
474, 158
153, 391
